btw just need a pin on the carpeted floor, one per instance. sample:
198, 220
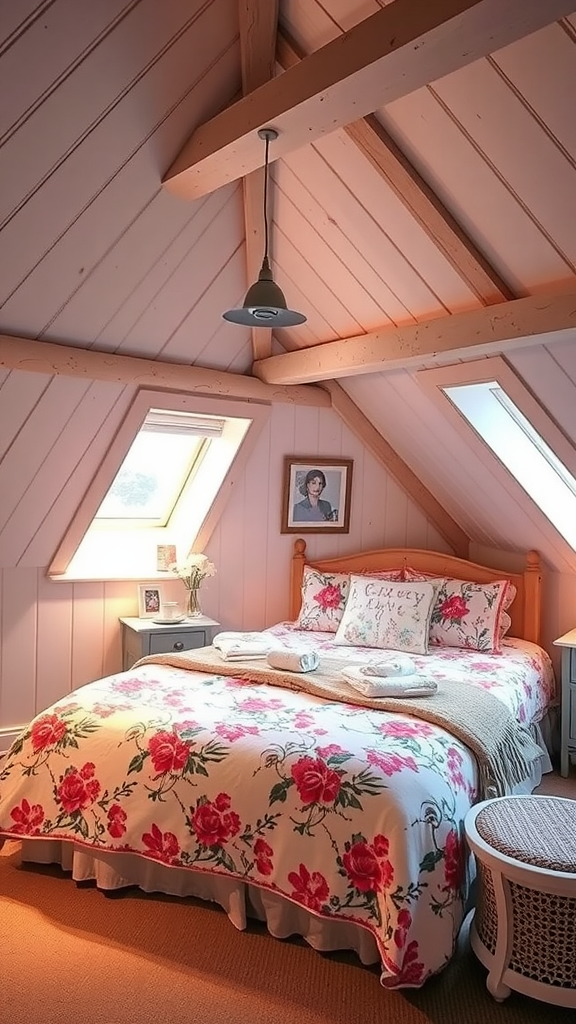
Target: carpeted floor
71, 954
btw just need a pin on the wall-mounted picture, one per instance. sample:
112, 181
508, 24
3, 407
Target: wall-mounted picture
149, 601
316, 495
165, 556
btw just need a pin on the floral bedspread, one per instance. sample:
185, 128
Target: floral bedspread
353, 813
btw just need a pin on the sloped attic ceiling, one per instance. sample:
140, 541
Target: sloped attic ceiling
452, 197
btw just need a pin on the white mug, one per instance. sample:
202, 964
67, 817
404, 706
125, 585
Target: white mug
171, 610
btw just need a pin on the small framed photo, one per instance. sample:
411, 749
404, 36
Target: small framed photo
165, 556
149, 601
316, 495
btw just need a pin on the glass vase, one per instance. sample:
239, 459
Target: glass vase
194, 609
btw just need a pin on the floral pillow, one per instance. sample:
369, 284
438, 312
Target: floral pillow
505, 623
469, 615
505, 620
387, 614
324, 597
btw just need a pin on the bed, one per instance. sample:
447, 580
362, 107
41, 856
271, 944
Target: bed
337, 818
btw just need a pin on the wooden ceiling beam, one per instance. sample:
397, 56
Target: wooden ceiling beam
89, 364
403, 46
539, 318
258, 29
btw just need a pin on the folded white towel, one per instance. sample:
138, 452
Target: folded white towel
398, 665
237, 634
293, 661
236, 646
399, 686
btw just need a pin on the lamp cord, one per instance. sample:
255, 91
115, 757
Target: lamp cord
266, 199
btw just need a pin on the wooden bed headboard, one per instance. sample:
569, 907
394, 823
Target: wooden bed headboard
524, 612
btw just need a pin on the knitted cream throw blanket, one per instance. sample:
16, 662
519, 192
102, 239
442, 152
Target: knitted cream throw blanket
504, 749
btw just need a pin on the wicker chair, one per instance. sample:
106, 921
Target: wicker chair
524, 926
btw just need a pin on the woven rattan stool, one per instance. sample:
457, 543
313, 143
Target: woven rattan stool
524, 926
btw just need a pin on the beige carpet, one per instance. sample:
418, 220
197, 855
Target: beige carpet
71, 954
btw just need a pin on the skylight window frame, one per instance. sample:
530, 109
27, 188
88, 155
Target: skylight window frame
244, 419
170, 422
496, 368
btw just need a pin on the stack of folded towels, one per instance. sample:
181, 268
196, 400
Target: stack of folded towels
395, 676
237, 646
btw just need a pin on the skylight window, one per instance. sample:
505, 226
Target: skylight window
520, 447
161, 460
164, 480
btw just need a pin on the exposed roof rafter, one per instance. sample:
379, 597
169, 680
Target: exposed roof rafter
403, 46
538, 318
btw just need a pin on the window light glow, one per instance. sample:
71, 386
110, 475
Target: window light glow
162, 493
513, 439
157, 467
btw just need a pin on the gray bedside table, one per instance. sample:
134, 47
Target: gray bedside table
568, 712
144, 636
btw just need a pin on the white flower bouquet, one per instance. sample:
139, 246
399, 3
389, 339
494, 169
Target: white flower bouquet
195, 569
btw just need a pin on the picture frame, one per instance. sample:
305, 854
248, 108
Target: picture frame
316, 495
150, 600
165, 557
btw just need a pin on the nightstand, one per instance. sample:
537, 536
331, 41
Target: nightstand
568, 713
143, 636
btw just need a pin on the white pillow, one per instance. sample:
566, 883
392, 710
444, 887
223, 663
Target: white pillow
388, 615
324, 597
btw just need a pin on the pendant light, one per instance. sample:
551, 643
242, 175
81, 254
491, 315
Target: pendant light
265, 305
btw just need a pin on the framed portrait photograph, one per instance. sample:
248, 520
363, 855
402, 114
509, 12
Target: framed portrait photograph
149, 601
316, 495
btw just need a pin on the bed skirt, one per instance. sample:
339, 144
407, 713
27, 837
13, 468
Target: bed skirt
240, 900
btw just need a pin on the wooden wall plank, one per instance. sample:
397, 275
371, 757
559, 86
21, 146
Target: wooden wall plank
37, 521
378, 147
36, 440
19, 393
472, 189
87, 633
16, 19
108, 179
398, 288
54, 663
52, 48
18, 650
542, 70
364, 287
420, 256
100, 424
107, 305
503, 127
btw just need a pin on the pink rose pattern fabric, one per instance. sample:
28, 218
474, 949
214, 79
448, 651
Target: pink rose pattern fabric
323, 600
468, 615
354, 814
324, 597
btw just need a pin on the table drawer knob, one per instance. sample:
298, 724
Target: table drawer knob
179, 646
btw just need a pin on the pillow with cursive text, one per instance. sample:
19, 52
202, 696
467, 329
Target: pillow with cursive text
388, 615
